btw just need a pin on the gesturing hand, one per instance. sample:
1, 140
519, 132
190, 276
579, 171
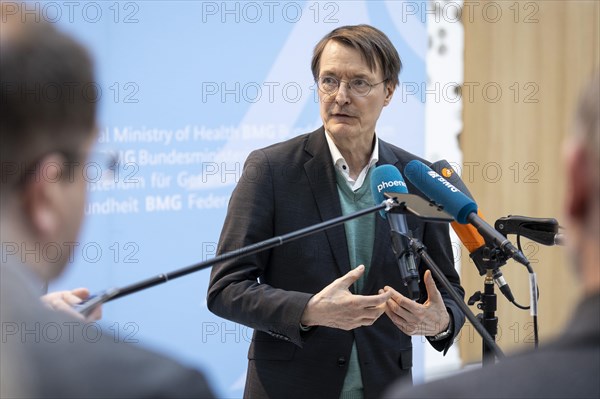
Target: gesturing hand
413, 318
335, 306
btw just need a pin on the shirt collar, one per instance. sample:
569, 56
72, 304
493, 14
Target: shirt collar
338, 158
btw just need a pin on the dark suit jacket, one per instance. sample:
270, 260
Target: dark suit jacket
566, 368
49, 354
283, 188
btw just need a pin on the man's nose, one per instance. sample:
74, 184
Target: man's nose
343, 94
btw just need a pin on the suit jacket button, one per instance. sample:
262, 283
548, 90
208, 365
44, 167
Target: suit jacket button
341, 361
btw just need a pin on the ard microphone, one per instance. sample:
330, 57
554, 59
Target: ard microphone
468, 234
457, 204
470, 237
387, 178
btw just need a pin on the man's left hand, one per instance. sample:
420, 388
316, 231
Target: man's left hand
414, 318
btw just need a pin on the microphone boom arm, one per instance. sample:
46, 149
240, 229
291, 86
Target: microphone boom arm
86, 307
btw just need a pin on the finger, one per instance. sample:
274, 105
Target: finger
62, 306
371, 301
401, 300
395, 318
81, 293
404, 325
70, 299
351, 277
50, 297
433, 293
400, 311
396, 296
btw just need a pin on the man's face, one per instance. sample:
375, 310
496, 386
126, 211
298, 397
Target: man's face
78, 190
347, 116
65, 207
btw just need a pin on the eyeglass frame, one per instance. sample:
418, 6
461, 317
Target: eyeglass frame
348, 82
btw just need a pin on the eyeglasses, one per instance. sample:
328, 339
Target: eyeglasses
358, 87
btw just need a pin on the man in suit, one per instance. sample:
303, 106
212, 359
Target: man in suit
568, 367
317, 304
46, 140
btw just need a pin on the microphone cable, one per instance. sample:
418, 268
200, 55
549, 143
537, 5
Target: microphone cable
534, 294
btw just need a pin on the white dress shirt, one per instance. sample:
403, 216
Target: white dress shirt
342, 166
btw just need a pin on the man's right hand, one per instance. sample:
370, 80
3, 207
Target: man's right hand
335, 306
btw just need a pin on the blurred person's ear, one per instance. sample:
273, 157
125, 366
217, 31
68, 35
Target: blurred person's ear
44, 197
578, 174
50, 211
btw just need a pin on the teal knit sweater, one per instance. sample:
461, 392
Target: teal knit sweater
360, 235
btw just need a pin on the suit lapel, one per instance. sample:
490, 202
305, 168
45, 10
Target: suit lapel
382, 260
321, 177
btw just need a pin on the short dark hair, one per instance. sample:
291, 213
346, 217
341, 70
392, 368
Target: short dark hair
48, 94
375, 47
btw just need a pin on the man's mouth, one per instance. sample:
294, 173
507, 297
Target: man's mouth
341, 114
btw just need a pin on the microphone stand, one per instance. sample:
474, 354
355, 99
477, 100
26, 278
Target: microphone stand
487, 325
488, 340
488, 261
488, 304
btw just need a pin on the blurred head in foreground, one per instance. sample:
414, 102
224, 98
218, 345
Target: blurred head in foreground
582, 200
47, 127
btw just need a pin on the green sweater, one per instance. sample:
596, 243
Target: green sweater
360, 235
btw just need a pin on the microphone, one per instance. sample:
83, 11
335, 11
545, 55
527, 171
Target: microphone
543, 231
387, 178
469, 236
457, 204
